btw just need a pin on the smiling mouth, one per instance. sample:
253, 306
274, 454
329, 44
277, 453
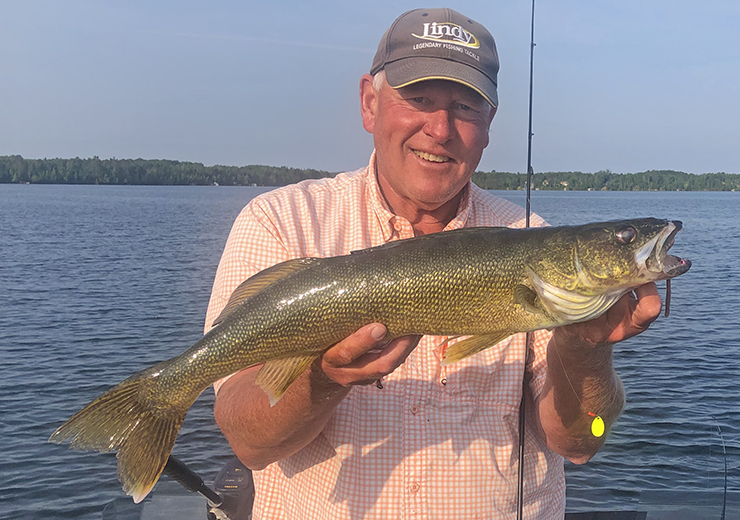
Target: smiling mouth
431, 157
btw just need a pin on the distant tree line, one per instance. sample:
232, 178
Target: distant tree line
16, 169
605, 180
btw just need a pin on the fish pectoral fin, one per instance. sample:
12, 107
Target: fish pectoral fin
528, 299
259, 281
445, 342
277, 375
472, 345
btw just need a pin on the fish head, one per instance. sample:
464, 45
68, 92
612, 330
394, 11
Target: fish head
612, 256
652, 257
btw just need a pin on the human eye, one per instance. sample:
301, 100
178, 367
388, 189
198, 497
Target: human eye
417, 100
467, 111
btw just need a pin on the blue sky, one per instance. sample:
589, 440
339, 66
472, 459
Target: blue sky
624, 85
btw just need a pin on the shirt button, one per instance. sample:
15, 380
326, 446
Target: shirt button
397, 227
414, 488
414, 410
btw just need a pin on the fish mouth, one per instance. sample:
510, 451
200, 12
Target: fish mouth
654, 258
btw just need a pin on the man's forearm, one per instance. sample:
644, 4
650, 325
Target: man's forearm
260, 434
581, 378
580, 381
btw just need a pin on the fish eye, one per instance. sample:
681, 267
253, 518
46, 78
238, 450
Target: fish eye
626, 235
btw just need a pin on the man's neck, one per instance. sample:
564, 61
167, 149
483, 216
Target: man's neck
423, 221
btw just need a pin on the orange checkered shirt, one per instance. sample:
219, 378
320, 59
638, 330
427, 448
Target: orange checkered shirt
435, 442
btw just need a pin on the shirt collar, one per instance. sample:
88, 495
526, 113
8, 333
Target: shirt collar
386, 218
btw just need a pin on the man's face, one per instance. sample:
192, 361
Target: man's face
429, 137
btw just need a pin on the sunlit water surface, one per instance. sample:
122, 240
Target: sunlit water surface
97, 282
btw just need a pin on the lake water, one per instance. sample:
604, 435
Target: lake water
97, 282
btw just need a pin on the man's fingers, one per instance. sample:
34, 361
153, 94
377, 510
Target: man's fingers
631, 315
379, 363
372, 366
648, 305
396, 353
351, 348
365, 357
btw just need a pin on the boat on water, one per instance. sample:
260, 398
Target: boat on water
180, 494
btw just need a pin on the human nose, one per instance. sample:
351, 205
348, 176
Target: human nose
439, 125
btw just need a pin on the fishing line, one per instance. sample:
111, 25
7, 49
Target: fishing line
724, 451
597, 423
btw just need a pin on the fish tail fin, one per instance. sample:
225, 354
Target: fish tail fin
130, 419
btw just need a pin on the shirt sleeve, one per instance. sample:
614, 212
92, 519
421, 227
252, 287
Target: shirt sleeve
254, 244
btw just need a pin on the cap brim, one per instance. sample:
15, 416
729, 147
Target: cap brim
405, 72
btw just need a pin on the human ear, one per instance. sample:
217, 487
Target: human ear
491, 114
368, 102
489, 120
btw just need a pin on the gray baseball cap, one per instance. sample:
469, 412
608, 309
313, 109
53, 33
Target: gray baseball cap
426, 44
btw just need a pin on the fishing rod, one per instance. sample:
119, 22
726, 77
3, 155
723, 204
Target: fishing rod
532, 44
232, 502
187, 478
528, 211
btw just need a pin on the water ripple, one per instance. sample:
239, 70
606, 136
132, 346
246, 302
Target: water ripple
97, 282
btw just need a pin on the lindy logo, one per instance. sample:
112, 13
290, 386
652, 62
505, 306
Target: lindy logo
450, 32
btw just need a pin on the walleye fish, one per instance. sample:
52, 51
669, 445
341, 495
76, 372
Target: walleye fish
487, 283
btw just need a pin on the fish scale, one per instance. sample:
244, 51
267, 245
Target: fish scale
486, 283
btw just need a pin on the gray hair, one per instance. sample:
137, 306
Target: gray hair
378, 80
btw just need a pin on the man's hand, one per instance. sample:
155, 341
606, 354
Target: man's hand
626, 318
365, 356
581, 378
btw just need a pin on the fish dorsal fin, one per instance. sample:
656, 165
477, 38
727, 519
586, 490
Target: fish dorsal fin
259, 281
277, 375
381, 247
571, 306
472, 345
431, 237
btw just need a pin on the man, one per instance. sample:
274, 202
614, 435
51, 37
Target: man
429, 441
